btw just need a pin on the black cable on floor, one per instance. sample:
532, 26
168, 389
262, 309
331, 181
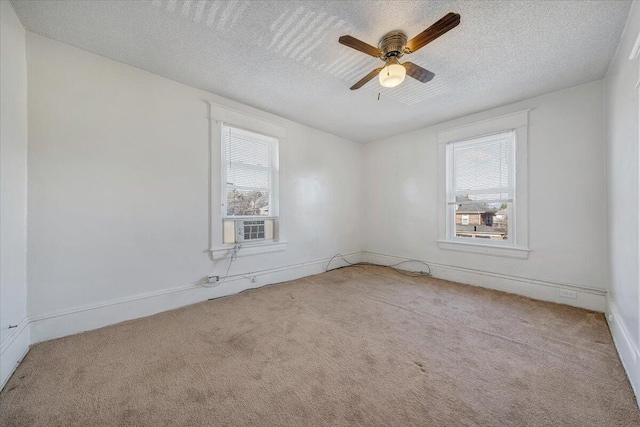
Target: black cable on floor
392, 266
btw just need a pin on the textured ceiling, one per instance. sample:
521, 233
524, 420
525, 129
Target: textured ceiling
284, 57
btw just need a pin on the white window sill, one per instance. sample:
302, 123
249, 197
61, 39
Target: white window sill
248, 249
479, 248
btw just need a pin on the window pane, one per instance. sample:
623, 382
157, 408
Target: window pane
250, 170
243, 177
482, 220
482, 165
247, 202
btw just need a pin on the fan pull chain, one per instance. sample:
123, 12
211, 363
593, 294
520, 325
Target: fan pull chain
378, 96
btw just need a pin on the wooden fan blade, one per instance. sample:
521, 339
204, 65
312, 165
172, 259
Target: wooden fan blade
356, 44
366, 78
448, 22
417, 72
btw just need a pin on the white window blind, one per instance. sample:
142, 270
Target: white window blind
249, 172
482, 169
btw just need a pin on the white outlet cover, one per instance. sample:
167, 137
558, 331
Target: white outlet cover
568, 294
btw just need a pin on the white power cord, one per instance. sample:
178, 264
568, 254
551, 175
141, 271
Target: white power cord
234, 256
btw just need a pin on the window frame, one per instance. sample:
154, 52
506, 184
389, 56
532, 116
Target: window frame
273, 170
510, 189
517, 247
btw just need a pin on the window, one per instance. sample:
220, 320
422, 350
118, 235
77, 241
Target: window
483, 187
250, 179
245, 173
480, 187
250, 169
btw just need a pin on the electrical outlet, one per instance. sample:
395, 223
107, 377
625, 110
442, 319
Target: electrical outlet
568, 294
213, 279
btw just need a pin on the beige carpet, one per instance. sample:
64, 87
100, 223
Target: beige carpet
355, 346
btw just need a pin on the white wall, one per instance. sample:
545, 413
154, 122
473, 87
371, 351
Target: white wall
119, 193
567, 208
622, 182
13, 192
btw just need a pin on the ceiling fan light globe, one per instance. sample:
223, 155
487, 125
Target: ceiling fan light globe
392, 75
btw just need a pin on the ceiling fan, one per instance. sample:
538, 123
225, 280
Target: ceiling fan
394, 45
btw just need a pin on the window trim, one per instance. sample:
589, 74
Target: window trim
219, 115
511, 186
248, 249
517, 122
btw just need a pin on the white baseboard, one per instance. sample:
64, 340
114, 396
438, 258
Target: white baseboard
84, 318
589, 298
13, 349
627, 349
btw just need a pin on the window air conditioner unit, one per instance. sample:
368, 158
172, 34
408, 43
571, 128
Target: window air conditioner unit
249, 230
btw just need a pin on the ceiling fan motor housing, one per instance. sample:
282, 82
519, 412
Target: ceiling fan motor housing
392, 44
395, 44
